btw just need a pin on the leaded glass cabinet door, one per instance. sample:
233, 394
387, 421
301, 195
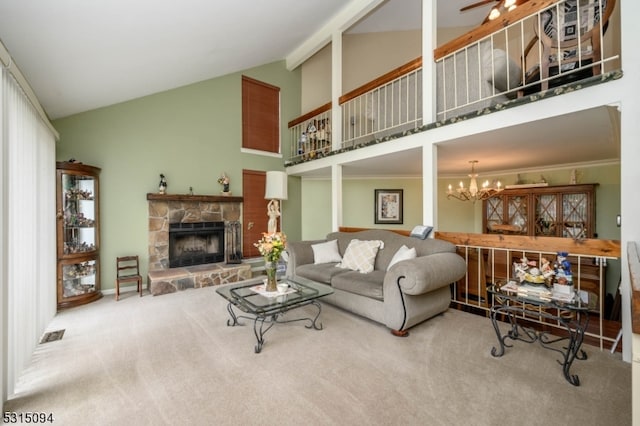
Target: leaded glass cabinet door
546, 223
494, 211
78, 232
575, 213
517, 214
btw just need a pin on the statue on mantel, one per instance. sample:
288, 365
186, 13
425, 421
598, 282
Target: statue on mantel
224, 181
162, 186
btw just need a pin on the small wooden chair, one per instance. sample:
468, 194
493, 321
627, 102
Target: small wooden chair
128, 271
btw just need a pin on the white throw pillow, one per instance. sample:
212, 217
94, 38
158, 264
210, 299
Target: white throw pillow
361, 255
403, 253
326, 252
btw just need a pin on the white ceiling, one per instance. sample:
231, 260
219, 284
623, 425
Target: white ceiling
81, 55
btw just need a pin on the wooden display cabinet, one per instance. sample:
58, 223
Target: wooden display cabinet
78, 234
550, 211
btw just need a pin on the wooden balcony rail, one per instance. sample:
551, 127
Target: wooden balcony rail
486, 68
490, 27
382, 80
490, 259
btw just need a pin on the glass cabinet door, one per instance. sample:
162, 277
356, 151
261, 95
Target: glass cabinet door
79, 219
518, 216
495, 213
78, 233
575, 210
79, 278
546, 214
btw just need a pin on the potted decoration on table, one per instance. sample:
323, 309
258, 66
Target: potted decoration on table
271, 247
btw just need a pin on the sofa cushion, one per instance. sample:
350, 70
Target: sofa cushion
403, 253
321, 273
361, 255
326, 252
368, 285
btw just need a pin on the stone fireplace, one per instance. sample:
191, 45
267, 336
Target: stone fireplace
191, 213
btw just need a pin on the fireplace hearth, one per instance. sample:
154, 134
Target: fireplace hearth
196, 243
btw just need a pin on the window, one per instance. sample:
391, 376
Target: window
260, 116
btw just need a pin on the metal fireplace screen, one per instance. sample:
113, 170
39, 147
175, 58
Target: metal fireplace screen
196, 243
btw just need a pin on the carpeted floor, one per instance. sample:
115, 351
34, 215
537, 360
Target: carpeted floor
173, 360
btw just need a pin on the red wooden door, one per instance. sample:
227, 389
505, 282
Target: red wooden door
254, 211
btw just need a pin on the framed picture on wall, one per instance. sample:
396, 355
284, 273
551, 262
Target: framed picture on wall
388, 206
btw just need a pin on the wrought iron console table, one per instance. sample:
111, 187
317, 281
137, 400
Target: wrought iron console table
570, 315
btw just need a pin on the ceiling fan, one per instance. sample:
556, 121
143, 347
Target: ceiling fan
478, 4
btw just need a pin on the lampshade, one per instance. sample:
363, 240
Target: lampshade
276, 186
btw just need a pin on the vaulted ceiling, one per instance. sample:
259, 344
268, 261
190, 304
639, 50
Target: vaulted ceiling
82, 55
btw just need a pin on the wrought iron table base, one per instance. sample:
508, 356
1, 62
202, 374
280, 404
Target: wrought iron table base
263, 322
575, 328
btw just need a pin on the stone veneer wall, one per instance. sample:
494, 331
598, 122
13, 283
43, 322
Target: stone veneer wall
171, 208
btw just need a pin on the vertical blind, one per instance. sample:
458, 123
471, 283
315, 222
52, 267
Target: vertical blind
27, 213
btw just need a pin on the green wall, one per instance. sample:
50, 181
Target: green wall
191, 134
358, 204
453, 215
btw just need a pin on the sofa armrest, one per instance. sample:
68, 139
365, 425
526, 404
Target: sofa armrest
300, 253
426, 273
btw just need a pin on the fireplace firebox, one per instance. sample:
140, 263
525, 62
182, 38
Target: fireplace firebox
196, 243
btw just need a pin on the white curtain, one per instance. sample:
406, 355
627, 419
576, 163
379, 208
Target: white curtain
27, 209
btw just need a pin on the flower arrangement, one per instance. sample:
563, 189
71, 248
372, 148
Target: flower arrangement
271, 246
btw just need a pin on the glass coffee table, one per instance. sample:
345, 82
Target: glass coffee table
265, 309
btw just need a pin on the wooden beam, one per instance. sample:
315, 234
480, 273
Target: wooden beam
383, 79
352, 229
187, 197
529, 8
589, 247
309, 115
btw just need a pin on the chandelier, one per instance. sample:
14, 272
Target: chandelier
473, 193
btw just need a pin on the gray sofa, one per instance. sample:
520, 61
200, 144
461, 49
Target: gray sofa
410, 292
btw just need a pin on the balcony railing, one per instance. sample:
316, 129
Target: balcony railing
490, 260
387, 105
538, 46
310, 135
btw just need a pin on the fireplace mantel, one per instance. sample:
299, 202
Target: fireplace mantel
201, 198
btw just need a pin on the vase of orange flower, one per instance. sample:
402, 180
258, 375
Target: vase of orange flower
271, 247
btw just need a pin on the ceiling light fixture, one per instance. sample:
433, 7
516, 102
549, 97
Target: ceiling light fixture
473, 193
505, 6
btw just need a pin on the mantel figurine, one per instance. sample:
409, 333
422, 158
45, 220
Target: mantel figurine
224, 181
162, 186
